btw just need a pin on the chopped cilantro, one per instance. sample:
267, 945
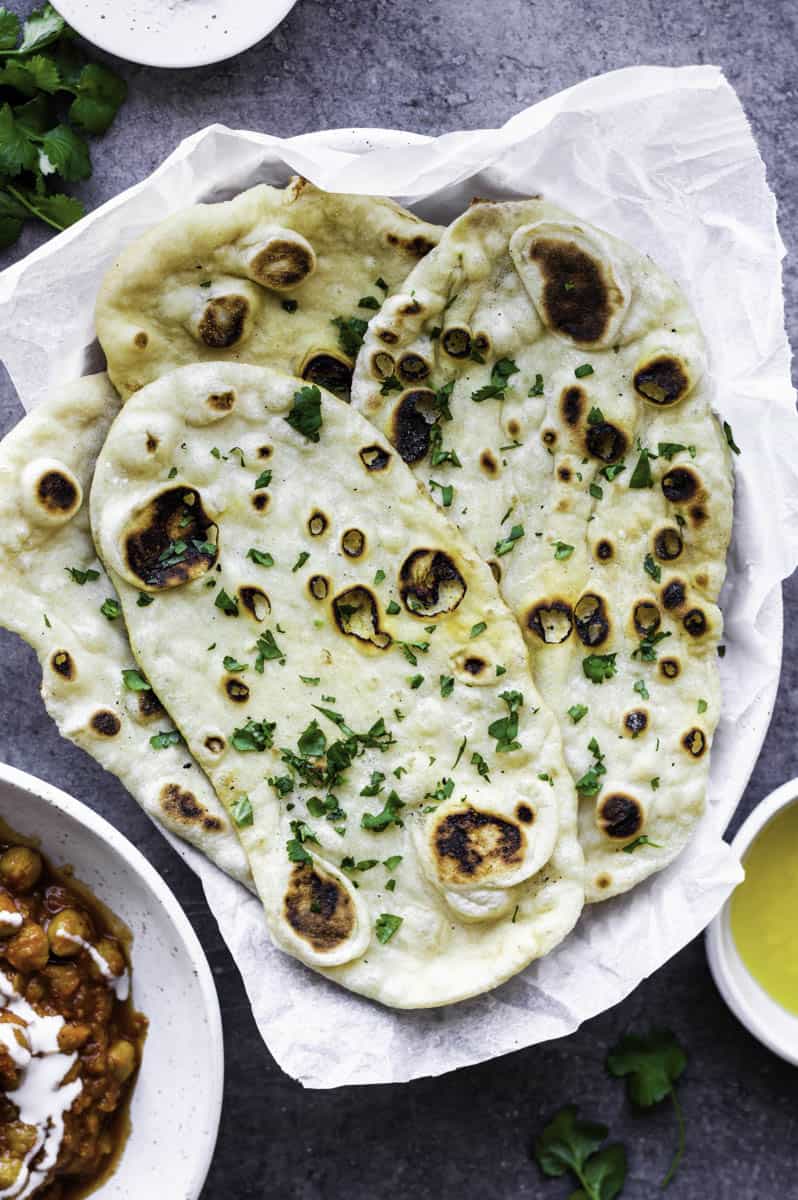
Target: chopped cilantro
368, 302
595, 416
232, 664
392, 608
301, 560
576, 712
652, 568
477, 629
134, 681
481, 765
386, 926
641, 689
261, 557
598, 667
111, 609
505, 545
165, 738
643, 840
596, 491
378, 822
447, 685
583, 371
144, 600
646, 651
505, 729
641, 476
537, 387
268, 650
228, 604
263, 480
702, 706
75, 573
612, 470
727, 433
562, 550
351, 332
254, 736
305, 415
501, 372
446, 490
241, 811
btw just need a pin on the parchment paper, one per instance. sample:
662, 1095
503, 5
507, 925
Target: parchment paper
665, 159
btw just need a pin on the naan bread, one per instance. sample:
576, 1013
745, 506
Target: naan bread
258, 279
555, 378
46, 465
341, 664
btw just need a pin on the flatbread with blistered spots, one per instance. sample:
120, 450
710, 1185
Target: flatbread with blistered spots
52, 593
548, 384
340, 662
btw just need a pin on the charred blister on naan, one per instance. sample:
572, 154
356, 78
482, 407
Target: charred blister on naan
63, 664
495, 569
375, 458
669, 668
564, 474
413, 367
635, 722
430, 583
58, 492
261, 501
151, 443
353, 543
383, 365
549, 437
329, 370
254, 601
317, 523
591, 620
214, 744
619, 816
605, 442
680, 485
471, 846
698, 515
604, 550
662, 380
221, 402
456, 341
695, 622
411, 424
236, 691
185, 810
551, 620
283, 262
318, 908
668, 544
357, 615
472, 669
148, 707
695, 742
646, 617
319, 587
141, 340
573, 402
674, 594
418, 246
579, 300
488, 463
105, 723
524, 813
223, 321
169, 542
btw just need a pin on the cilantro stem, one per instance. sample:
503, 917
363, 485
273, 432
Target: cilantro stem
677, 1158
587, 1187
26, 202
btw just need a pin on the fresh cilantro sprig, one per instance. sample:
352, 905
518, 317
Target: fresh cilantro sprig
568, 1144
50, 100
652, 1065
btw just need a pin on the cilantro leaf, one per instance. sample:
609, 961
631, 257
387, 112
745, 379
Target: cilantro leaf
652, 1065
576, 712
67, 152
261, 557
134, 681
100, 95
505, 545
165, 738
43, 27
568, 1144
501, 372
254, 736
9, 29
641, 476
17, 152
378, 822
598, 667
505, 729
241, 811
386, 926
305, 415
351, 332
12, 217
729, 436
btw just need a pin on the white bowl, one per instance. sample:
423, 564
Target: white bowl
177, 1097
174, 33
763, 1017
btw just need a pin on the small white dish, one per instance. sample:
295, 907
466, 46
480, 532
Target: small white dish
174, 33
177, 1098
773, 1025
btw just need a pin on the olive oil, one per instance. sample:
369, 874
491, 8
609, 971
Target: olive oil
764, 909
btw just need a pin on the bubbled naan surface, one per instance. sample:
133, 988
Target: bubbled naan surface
258, 279
46, 467
491, 871
609, 360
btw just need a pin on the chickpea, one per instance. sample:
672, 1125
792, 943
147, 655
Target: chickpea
122, 1060
29, 950
63, 979
20, 868
73, 1036
9, 1169
9, 915
65, 929
113, 957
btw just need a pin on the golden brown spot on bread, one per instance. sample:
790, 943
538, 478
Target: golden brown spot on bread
488, 463
513, 428
603, 881
549, 437
620, 816
150, 706
328, 370
694, 742
221, 401
551, 620
353, 543
418, 246
572, 405
591, 620
185, 809
456, 341
662, 381
375, 458
473, 845
669, 667
413, 367
140, 340
56, 492
698, 515
174, 516
261, 501
680, 484
318, 908
474, 665
674, 594
646, 617
525, 814
604, 550
388, 336
254, 601
605, 442
702, 579
576, 299
318, 587
357, 615
382, 364
317, 523
264, 451
237, 691
214, 745
105, 723
151, 443
564, 474
636, 722
430, 583
282, 263
668, 544
495, 569
411, 424
63, 664
695, 622
222, 323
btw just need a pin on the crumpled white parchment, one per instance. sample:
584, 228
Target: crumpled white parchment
665, 159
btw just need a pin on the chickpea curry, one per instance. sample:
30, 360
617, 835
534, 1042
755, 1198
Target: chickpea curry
70, 1040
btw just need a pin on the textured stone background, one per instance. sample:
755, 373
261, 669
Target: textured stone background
433, 66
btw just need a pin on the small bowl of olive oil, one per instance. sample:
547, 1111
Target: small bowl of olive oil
752, 945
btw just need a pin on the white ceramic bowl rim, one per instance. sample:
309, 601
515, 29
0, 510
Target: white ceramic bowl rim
763, 1017
102, 829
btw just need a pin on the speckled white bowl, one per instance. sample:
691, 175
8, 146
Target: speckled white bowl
773, 1025
178, 1095
174, 33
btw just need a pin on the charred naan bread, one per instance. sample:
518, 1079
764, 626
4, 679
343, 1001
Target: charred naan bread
54, 594
341, 664
547, 382
285, 277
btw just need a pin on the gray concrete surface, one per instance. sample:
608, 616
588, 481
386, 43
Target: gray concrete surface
436, 65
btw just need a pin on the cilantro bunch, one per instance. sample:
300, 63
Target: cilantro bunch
49, 97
